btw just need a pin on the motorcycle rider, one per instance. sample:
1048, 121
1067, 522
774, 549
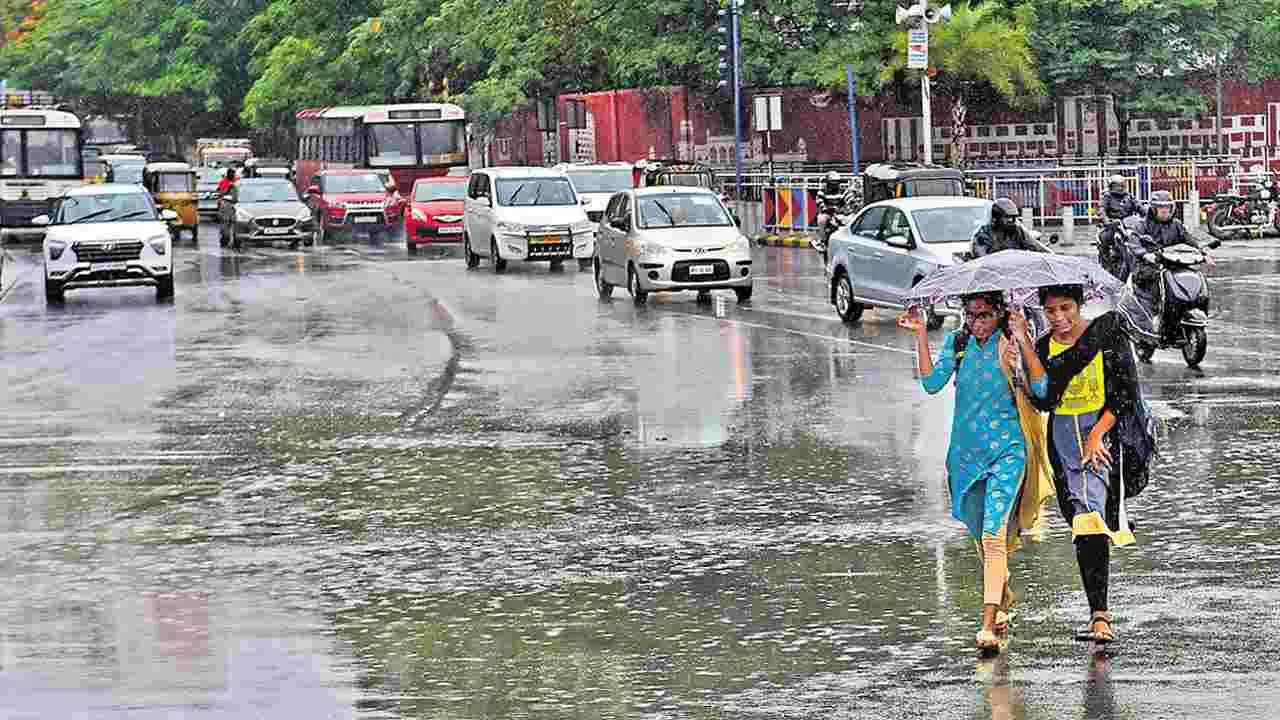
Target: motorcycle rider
829, 201
1160, 230
1004, 232
1117, 205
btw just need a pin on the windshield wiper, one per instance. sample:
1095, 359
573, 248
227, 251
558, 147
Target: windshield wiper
128, 215
94, 214
537, 194
665, 212
512, 200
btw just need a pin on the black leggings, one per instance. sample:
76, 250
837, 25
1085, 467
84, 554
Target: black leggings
1093, 555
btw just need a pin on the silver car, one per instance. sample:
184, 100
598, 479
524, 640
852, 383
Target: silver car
668, 238
891, 245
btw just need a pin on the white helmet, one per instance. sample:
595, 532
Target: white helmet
833, 176
1115, 180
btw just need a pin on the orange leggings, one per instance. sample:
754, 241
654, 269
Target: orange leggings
994, 550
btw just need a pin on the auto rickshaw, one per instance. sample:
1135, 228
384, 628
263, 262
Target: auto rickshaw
884, 181
173, 186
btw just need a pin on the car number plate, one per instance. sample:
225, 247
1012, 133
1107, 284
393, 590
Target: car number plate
100, 267
545, 240
449, 230
364, 219
275, 231
702, 269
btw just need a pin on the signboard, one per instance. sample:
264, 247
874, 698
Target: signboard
768, 113
918, 48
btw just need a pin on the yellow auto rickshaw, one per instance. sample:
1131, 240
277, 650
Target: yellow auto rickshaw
173, 186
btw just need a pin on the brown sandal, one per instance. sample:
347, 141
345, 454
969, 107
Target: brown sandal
1005, 610
1104, 635
987, 640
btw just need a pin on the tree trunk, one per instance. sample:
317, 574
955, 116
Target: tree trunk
1217, 106
959, 128
1122, 117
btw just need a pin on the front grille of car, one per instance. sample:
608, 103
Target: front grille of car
107, 252
595, 215
680, 271
550, 251
275, 222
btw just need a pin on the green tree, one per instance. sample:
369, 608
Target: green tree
982, 48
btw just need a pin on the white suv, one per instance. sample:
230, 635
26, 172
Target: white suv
525, 213
107, 236
596, 183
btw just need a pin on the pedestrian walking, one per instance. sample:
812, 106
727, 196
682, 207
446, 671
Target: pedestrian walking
997, 463
1101, 435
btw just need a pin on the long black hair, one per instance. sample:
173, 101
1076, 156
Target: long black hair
995, 299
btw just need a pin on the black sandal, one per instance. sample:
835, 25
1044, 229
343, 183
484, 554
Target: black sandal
1101, 637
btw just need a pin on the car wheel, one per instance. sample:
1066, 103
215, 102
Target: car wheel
499, 265
236, 243
847, 308
557, 266
584, 264
309, 240
412, 247
603, 288
321, 235
222, 234
638, 294
53, 291
164, 288
473, 260
743, 293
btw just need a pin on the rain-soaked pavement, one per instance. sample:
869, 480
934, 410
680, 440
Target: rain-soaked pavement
345, 482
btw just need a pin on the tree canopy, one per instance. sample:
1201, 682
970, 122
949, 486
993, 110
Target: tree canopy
253, 63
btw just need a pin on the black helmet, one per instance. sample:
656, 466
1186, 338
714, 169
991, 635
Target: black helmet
1004, 212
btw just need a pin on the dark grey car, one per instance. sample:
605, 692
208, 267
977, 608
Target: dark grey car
265, 210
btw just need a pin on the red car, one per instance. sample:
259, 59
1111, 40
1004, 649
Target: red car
351, 200
435, 211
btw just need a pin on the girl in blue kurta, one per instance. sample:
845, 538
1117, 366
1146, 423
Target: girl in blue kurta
990, 452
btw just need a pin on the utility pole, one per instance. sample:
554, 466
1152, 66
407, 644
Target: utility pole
917, 18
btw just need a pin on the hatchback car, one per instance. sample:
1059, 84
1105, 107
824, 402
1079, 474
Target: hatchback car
109, 235
891, 245
671, 238
528, 214
265, 210
435, 211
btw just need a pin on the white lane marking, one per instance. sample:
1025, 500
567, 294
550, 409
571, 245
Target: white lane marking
817, 336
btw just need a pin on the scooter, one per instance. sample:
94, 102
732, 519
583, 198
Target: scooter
1182, 305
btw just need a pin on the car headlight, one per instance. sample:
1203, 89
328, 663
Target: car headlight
510, 227
742, 244
338, 205
56, 248
418, 215
654, 249
304, 216
158, 243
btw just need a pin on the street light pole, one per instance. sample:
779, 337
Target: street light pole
737, 94
917, 18
926, 124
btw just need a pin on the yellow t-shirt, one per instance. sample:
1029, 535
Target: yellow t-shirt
1087, 391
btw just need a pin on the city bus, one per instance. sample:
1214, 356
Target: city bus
410, 141
40, 158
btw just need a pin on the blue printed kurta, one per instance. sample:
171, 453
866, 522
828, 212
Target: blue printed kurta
988, 453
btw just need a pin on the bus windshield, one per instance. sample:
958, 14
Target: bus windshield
399, 144
49, 153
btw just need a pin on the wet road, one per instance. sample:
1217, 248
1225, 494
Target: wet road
345, 483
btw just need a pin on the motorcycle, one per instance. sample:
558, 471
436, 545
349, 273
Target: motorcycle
833, 215
1232, 215
1111, 253
1181, 303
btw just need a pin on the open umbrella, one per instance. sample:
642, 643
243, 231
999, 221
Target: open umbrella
1018, 272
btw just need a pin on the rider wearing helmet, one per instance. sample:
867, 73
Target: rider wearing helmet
1003, 232
1160, 230
1118, 204
829, 199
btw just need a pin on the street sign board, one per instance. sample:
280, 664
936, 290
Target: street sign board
768, 113
918, 48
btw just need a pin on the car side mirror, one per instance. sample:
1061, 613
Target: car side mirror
1214, 245
41, 220
168, 215
1053, 239
621, 224
585, 201
737, 221
313, 190
900, 241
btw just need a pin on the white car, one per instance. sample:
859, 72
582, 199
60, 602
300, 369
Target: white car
528, 214
107, 236
668, 238
597, 182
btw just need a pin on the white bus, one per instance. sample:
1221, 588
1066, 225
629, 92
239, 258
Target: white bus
40, 158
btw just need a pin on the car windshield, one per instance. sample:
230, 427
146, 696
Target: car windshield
428, 191
127, 172
682, 210
266, 192
527, 192
365, 183
107, 207
935, 187
600, 181
950, 224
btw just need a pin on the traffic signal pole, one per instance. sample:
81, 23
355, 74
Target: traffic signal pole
737, 95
